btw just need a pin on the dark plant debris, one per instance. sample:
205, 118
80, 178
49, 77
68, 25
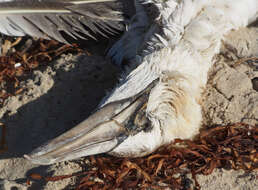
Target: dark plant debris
22, 55
232, 147
250, 61
3, 146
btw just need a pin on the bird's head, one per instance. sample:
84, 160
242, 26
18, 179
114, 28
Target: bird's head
141, 114
103, 131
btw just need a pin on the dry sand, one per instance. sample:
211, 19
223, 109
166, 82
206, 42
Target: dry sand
61, 95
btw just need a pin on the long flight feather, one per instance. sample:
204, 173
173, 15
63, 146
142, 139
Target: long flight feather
49, 18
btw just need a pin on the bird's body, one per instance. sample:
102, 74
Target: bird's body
158, 100
182, 65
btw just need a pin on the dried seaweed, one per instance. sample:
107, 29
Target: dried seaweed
234, 147
21, 56
3, 146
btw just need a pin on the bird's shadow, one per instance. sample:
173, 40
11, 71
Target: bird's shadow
76, 92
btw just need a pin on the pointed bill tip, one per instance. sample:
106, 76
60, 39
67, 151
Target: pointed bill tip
39, 161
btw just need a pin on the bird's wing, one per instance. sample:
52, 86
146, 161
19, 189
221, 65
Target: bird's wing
49, 18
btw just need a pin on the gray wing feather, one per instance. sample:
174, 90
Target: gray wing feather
130, 43
47, 18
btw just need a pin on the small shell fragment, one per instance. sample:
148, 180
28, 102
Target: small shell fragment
17, 65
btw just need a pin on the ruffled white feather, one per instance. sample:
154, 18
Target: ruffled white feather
182, 66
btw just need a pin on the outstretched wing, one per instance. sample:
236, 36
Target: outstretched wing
49, 18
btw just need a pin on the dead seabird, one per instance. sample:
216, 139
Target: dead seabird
169, 44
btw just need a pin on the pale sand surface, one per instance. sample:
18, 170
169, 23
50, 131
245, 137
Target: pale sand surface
61, 95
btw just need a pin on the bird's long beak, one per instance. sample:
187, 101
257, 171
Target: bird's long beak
101, 132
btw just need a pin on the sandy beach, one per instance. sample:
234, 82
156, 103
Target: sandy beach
62, 94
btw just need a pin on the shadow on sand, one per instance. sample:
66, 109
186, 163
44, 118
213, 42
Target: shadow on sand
74, 95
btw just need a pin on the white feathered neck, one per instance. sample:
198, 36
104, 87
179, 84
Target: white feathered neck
182, 65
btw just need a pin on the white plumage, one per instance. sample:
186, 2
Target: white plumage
182, 65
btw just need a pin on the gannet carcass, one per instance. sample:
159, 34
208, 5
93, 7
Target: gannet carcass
169, 44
